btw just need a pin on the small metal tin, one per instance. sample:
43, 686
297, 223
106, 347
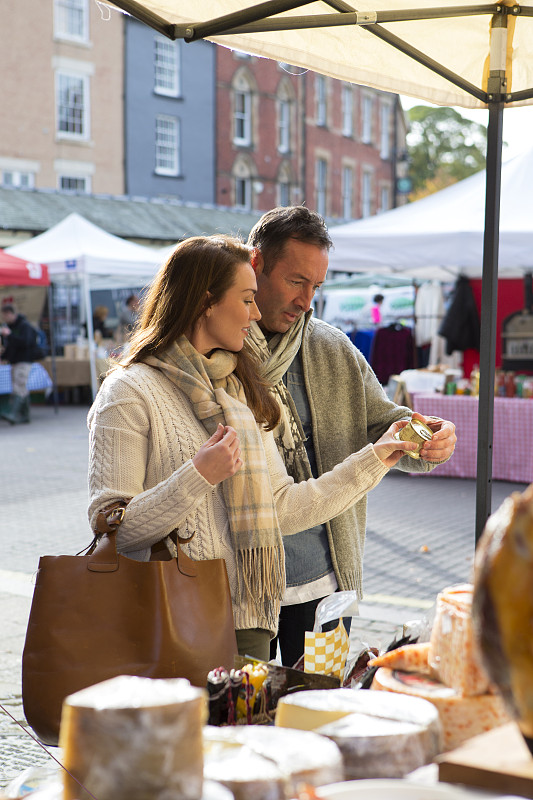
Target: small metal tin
417, 432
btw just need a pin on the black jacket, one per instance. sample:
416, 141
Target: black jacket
460, 326
20, 344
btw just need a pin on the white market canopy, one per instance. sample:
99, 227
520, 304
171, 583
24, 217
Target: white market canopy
354, 43
444, 230
76, 247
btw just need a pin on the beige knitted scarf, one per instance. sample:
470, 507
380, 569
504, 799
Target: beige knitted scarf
275, 357
217, 396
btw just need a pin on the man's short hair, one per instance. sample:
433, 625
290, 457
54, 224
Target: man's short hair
271, 233
7, 309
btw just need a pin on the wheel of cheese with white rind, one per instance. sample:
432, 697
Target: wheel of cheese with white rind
134, 738
379, 736
461, 717
267, 763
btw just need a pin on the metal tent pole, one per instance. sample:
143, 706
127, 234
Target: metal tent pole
489, 283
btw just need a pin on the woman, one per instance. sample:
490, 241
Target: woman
183, 427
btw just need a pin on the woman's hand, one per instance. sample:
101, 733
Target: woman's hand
220, 457
389, 449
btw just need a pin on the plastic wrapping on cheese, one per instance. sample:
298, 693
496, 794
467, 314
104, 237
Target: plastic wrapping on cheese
133, 738
453, 652
379, 736
461, 717
267, 763
409, 658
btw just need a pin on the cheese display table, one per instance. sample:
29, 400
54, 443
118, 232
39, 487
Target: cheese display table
513, 420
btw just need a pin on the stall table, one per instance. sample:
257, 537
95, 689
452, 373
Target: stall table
513, 423
38, 380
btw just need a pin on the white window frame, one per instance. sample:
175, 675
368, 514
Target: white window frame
321, 106
366, 133
385, 198
242, 117
66, 15
167, 72
67, 75
347, 192
321, 185
347, 110
243, 192
366, 193
84, 179
284, 126
167, 145
384, 119
20, 179
284, 193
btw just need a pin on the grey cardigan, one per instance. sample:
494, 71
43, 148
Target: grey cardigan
349, 409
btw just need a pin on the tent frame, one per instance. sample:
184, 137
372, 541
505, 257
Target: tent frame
259, 18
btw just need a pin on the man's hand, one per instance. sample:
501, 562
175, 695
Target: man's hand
442, 444
220, 457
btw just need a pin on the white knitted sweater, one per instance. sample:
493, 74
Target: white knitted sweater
143, 436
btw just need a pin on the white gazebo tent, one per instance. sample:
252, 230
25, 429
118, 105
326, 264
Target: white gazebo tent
443, 233
77, 249
449, 53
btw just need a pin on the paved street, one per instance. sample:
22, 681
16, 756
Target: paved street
420, 539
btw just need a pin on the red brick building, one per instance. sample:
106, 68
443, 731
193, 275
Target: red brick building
287, 136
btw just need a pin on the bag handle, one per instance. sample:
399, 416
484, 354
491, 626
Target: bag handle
104, 557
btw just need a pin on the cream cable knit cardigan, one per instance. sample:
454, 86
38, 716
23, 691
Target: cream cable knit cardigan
143, 436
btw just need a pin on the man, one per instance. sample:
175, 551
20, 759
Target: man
332, 405
19, 340
128, 317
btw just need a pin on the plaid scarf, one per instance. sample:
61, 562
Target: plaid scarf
276, 355
216, 396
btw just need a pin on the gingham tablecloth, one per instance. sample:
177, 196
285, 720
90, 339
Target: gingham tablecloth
39, 379
512, 439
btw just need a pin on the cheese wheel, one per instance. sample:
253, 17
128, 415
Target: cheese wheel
461, 717
379, 736
268, 763
132, 738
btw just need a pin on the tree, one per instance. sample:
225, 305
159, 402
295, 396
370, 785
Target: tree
443, 148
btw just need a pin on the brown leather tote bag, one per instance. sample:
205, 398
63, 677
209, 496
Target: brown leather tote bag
102, 614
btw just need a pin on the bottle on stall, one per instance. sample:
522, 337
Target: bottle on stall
499, 389
510, 385
474, 380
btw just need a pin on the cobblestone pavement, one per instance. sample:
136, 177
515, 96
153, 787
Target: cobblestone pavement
420, 538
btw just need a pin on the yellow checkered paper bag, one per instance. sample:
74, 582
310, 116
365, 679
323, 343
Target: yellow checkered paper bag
326, 652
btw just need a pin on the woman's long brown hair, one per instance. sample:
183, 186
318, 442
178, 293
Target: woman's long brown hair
177, 298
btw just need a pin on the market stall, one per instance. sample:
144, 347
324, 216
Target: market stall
80, 257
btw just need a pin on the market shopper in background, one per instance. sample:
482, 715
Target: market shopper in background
181, 431
19, 341
375, 311
331, 402
128, 317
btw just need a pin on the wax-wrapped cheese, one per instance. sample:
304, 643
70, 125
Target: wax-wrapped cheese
267, 763
453, 651
133, 738
461, 717
379, 736
409, 658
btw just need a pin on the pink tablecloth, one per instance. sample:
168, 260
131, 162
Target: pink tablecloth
512, 441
